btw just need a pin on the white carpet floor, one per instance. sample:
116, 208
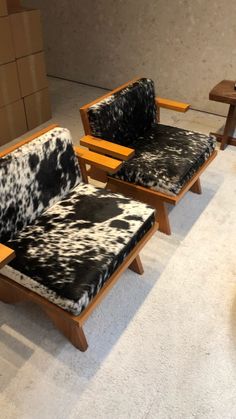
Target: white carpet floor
161, 346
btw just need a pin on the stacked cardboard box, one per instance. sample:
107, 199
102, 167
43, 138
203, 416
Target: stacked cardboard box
12, 113
3, 8
24, 97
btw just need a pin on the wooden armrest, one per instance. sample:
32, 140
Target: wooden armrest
111, 149
172, 104
6, 255
99, 161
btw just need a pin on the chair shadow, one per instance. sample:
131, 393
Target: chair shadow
13, 355
103, 329
187, 212
233, 333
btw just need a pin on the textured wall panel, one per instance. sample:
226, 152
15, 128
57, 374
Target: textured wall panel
186, 46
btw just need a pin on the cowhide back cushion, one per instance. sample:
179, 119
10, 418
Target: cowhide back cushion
34, 177
125, 115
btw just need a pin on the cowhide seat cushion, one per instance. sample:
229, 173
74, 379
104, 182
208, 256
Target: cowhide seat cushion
69, 252
166, 158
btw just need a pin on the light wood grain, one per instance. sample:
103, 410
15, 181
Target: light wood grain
6, 255
196, 188
98, 160
97, 174
107, 147
172, 104
137, 266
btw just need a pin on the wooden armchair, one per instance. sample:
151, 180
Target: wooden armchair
64, 243
159, 163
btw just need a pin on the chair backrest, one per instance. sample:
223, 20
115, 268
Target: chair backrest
123, 116
33, 177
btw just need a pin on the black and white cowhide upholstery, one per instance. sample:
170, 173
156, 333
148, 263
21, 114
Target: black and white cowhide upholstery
68, 237
165, 157
75, 246
34, 177
125, 115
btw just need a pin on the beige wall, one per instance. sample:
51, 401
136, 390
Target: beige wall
186, 46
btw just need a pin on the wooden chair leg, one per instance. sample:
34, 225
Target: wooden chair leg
8, 296
83, 170
196, 188
162, 217
137, 266
70, 329
97, 174
229, 127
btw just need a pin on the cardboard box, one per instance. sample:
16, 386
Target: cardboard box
26, 32
3, 8
13, 4
7, 53
32, 73
12, 121
9, 84
37, 108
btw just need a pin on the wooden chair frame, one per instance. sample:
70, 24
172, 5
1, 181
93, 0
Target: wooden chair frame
68, 324
157, 199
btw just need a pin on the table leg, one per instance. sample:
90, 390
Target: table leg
229, 126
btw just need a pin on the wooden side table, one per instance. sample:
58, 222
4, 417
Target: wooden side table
224, 92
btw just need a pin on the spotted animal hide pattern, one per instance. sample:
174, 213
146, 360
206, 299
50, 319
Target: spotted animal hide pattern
166, 158
34, 177
75, 246
126, 114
